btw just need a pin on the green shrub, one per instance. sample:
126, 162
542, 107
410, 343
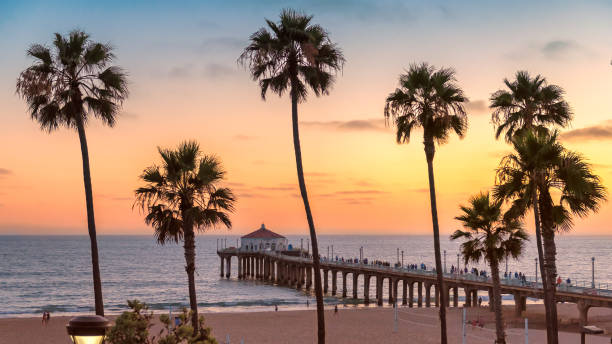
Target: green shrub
132, 327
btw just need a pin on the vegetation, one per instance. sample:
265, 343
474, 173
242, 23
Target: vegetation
531, 104
295, 55
132, 327
494, 237
181, 196
429, 99
558, 171
64, 87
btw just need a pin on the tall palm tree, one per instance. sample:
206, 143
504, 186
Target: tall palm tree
531, 104
491, 236
429, 99
557, 172
181, 196
295, 55
528, 103
64, 87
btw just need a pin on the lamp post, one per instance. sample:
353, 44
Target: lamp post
457, 269
536, 270
328, 252
361, 255
444, 261
332, 256
402, 258
397, 255
593, 272
88, 329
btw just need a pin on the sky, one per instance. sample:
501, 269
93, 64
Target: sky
185, 84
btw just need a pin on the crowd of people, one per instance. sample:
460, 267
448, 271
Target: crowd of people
517, 275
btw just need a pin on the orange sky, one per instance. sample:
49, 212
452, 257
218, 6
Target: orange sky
359, 180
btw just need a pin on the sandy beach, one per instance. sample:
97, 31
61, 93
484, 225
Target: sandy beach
362, 325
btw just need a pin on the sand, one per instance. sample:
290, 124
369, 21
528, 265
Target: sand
350, 325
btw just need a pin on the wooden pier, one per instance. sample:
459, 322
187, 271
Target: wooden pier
419, 287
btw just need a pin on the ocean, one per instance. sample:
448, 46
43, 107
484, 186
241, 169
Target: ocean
53, 273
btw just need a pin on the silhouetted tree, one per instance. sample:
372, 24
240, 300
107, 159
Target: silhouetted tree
64, 87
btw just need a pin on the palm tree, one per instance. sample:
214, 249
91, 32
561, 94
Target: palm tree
557, 172
531, 104
181, 196
491, 236
64, 87
429, 99
294, 55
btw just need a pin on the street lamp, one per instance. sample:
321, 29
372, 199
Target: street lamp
536, 270
88, 329
402, 258
444, 261
593, 272
457, 269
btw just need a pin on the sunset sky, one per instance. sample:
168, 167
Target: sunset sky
185, 84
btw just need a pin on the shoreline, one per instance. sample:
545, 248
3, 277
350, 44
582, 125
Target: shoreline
349, 325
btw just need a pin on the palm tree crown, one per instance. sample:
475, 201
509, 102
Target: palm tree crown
72, 80
488, 234
556, 168
184, 190
529, 103
429, 99
292, 53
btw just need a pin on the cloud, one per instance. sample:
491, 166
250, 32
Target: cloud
559, 48
374, 124
5, 172
275, 188
181, 71
243, 137
210, 70
602, 131
216, 70
476, 107
129, 115
114, 197
420, 190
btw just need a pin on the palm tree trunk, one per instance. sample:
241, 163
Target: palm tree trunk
550, 266
91, 223
538, 232
190, 268
429, 153
497, 305
313, 234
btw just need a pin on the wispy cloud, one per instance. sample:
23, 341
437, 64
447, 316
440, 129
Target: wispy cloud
419, 190
557, 49
476, 107
602, 131
5, 172
243, 137
114, 197
210, 71
216, 70
374, 124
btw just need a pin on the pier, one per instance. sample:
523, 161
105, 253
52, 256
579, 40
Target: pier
419, 288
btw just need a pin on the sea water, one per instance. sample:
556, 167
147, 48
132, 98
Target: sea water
53, 273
